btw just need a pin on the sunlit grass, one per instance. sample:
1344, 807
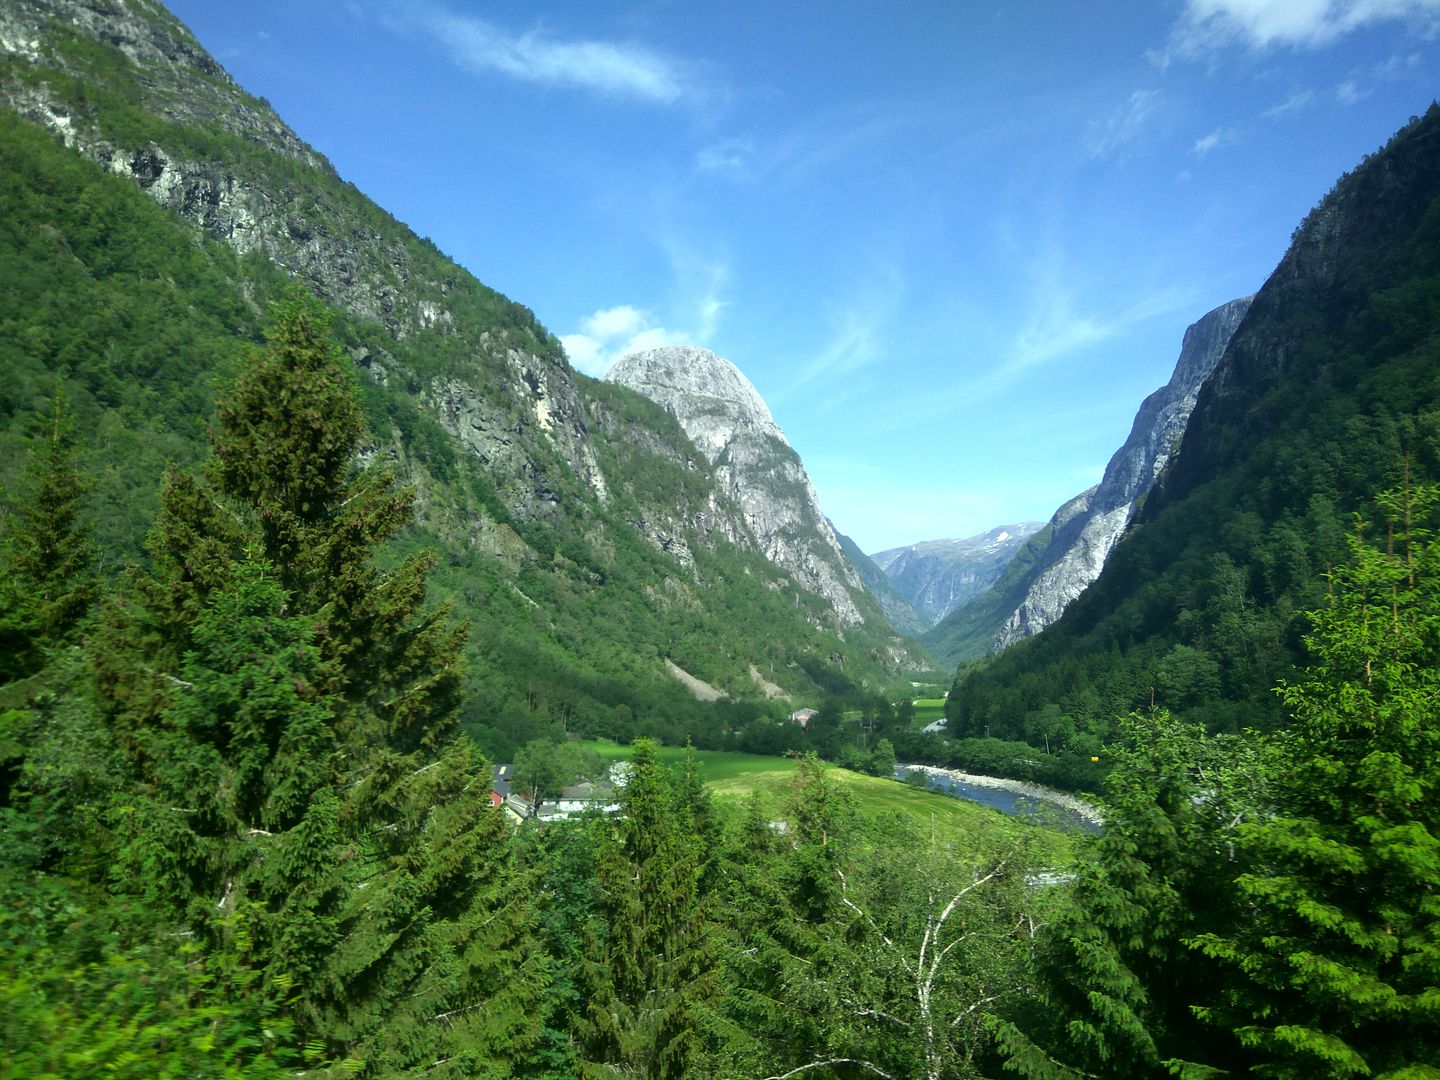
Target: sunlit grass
735, 777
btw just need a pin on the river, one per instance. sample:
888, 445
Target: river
1012, 796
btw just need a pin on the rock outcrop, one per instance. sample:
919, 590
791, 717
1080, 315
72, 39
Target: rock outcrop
939, 576
1064, 557
729, 422
242, 176
1080, 546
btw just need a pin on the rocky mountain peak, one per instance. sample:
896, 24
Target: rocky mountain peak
708, 394
939, 576
1079, 546
724, 416
1061, 560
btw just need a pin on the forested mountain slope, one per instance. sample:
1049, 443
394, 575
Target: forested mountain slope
1057, 567
152, 210
903, 617
1328, 393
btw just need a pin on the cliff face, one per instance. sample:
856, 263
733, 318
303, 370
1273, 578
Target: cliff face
939, 576
225, 161
1082, 544
1325, 397
1079, 538
728, 421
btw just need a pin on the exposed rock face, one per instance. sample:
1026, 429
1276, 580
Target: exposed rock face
348, 250
1086, 529
938, 576
726, 419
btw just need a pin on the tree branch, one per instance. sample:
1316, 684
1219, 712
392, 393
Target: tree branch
966, 1012
834, 1061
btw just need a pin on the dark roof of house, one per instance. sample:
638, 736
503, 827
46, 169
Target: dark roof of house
500, 779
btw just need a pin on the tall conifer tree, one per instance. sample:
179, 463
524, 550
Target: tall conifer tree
292, 707
47, 585
1336, 969
1115, 980
654, 1013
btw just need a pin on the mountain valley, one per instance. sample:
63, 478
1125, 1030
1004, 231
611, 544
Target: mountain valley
319, 558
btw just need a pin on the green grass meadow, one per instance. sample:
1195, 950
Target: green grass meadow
966, 825
927, 711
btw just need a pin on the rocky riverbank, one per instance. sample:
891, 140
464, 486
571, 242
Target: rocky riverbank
1079, 807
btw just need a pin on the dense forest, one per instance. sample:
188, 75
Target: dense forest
243, 835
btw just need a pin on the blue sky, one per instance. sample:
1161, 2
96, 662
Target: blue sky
954, 245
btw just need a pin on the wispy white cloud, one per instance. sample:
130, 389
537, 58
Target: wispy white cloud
1295, 103
1124, 124
1398, 66
610, 333
839, 140
615, 69
727, 157
701, 281
1059, 329
1349, 92
1206, 25
1361, 84
1213, 141
853, 334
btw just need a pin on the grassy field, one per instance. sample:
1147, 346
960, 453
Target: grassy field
956, 822
927, 711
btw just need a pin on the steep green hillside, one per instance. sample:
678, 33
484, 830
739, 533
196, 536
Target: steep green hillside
1328, 394
896, 608
142, 237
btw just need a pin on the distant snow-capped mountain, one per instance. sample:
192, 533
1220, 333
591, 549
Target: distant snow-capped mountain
939, 576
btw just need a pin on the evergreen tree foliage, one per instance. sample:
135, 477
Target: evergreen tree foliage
656, 965
757, 914
436, 970
821, 814
1115, 981
1335, 969
291, 709
47, 585
785, 903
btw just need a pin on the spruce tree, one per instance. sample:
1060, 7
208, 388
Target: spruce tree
787, 902
654, 1012
291, 706
46, 581
1335, 968
1115, 980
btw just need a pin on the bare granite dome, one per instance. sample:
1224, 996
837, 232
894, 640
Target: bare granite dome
708, 394
725, 417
